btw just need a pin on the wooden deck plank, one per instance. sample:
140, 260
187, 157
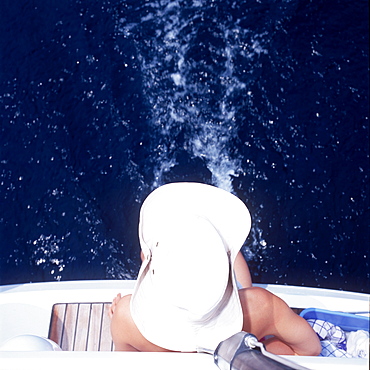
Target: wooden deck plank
93, 343
68, 337
82, 327
106, 343
57, 323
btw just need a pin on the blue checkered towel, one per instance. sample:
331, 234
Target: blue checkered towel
332, 337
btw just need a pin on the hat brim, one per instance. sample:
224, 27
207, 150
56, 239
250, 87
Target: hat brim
167, 325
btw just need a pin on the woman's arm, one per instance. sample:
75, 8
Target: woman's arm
242, 272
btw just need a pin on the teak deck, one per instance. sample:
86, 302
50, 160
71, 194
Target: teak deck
81, 327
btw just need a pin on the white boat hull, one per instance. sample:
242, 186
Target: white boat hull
26, 309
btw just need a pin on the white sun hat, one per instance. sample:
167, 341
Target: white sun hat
186, 297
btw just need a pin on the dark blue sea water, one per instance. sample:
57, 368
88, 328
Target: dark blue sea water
102, 101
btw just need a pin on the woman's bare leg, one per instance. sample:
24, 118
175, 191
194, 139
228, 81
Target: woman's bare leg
125, 334
266, 314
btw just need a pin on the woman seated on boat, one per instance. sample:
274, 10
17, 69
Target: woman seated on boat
186, 297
